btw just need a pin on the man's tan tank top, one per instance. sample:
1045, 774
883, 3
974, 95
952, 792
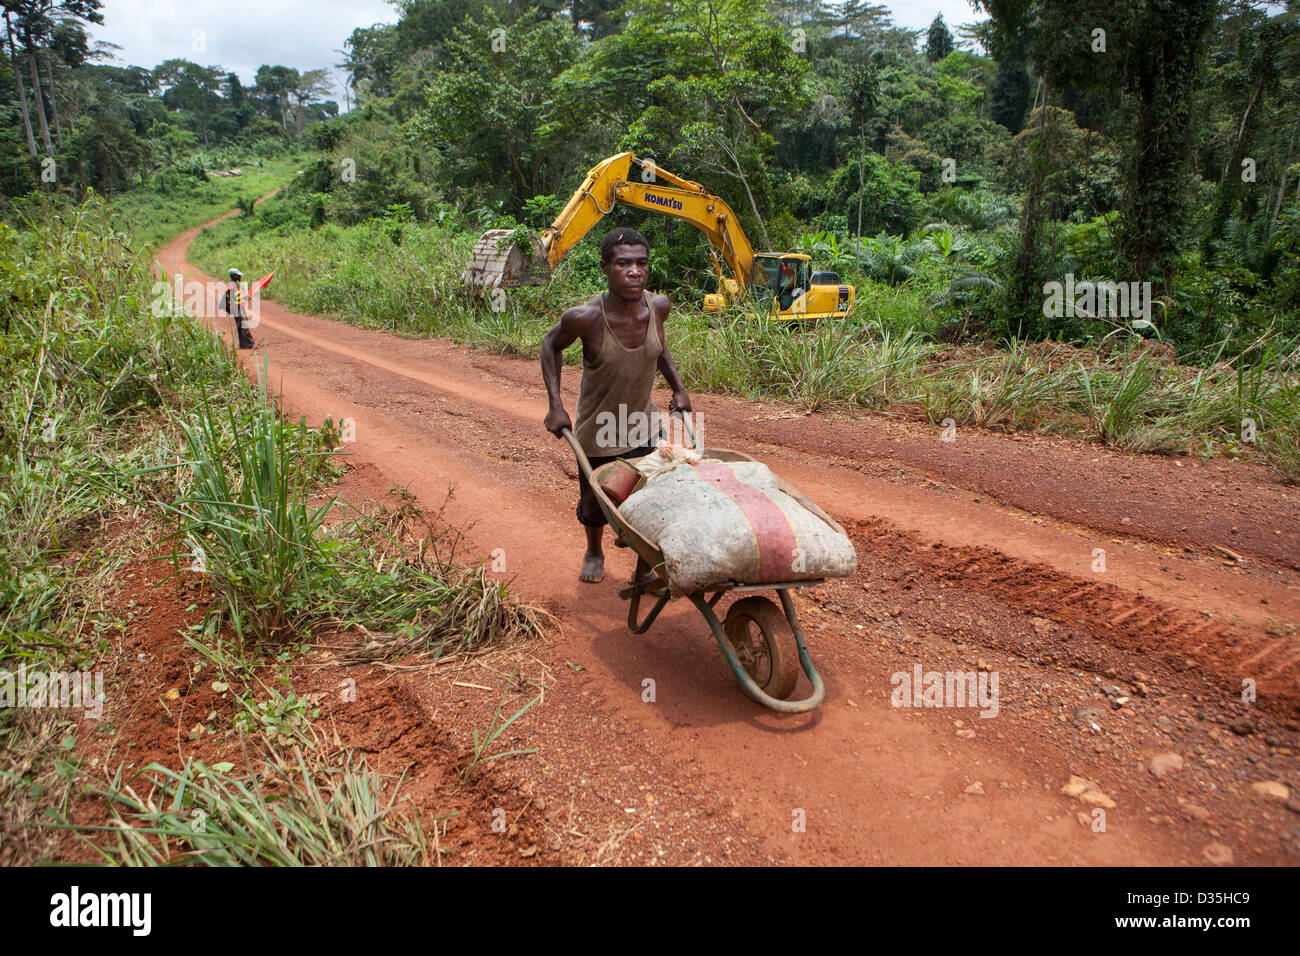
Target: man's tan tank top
615, 410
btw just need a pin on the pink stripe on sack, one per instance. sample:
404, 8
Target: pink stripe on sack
772, 530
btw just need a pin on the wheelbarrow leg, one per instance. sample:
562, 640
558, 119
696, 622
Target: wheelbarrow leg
637, 586
805, 659
747, 683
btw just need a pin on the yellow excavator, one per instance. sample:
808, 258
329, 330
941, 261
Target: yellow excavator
781, 281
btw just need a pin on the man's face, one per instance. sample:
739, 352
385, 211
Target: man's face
626, 270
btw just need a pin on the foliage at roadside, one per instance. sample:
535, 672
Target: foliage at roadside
76, 124
120, 412
894, 353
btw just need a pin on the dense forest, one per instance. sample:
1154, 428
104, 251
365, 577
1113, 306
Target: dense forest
1138, 140
164, 521
76, 122
1135, 140
965, 178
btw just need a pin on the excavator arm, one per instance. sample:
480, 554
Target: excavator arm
592, 200
782, 279
606, 185
657, 190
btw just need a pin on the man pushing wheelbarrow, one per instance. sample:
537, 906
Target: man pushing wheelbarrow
623, 347
703, 522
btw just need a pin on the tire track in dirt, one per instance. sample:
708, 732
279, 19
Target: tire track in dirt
867, 775
1173, 640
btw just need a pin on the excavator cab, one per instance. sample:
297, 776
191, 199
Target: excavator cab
781, 277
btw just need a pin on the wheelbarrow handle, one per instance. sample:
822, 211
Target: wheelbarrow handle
583, 463
690, 429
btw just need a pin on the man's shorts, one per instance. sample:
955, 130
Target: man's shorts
589, 512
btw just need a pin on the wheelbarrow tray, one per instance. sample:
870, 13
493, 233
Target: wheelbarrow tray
650, 579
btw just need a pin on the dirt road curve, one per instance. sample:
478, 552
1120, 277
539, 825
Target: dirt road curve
978, 553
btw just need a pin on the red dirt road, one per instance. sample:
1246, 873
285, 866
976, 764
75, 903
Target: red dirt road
979, 553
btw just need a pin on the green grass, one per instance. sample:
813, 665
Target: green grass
881, 358
117, 413
293, 811
153, 217
243, 517
483, 742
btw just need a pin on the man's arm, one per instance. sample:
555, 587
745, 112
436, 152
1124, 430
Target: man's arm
680, 402
567, 331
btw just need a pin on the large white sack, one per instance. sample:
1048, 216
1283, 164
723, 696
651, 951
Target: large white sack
719, 522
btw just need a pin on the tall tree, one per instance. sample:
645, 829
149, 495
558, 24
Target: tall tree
18, 82
938, 41
274, 85
69, 47
371, 60
1163, 62
311, 87
1009, 97
489, 114
194, 89
699, 84
1006, 37
863, 91
234, 90
45, 25
31, 26
1259, 46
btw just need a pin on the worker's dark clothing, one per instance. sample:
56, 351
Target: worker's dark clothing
233, 303
614, 403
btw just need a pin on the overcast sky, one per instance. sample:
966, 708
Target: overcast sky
241, 35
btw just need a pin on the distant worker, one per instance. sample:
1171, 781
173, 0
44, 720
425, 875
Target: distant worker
623, 347
232, 303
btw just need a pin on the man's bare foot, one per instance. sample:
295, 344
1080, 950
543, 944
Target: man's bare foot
593, 568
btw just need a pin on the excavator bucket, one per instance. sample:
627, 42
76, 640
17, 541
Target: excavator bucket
497, 262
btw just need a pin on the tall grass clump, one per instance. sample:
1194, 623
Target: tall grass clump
245, 515
243, 520
293, 812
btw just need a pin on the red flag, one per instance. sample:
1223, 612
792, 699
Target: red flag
260, 284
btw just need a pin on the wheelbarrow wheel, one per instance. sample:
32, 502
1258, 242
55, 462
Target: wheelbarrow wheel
759, 633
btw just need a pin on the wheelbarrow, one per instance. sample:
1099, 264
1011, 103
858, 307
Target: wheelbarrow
761, 643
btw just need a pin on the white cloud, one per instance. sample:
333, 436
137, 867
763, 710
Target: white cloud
238, 35
241, 35
918, 16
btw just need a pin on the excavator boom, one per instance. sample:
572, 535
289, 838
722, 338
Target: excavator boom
656, 190
499, 261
